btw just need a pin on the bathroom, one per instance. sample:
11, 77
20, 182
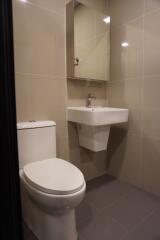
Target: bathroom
87, 74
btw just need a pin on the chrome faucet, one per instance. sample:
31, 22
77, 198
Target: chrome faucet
89, 100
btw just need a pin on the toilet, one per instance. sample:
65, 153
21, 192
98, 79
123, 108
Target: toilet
51, 188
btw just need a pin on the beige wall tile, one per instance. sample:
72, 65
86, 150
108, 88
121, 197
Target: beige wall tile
151, 106
151, 96
151, 165
151, 122
127, 93
124, 156
134, 125
41, 97
135, 121
127, 62
56, 5
62, 148
78, 91
134, 156
151, 5
39, 39
151, 43
123, 11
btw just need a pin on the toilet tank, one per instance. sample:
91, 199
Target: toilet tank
36, 141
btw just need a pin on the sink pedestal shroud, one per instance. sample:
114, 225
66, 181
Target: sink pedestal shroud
94, 138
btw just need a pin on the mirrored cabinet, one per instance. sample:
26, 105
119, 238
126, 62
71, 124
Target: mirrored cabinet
88, 40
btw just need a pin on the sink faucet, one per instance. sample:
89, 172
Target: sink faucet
89, 100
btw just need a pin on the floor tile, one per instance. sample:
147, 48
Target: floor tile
110, 183
149, 229
157, 211
105, 191
131, 209
81, 237
85, 213
103, 227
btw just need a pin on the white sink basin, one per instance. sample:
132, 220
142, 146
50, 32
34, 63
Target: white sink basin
97, 116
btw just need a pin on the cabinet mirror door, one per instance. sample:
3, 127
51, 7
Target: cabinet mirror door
88, 39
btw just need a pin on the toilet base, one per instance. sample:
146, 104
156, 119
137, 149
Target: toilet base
45, 226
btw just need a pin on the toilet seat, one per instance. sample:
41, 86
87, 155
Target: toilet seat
54, 176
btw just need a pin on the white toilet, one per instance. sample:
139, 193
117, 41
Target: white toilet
51, 188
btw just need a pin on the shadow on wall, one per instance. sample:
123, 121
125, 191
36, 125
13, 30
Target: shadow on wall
116, 149
92, 164
114, 161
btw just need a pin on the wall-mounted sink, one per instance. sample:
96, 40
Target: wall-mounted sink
94, 124
97, 116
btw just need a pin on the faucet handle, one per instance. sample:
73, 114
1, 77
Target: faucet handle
90, 96
89, 100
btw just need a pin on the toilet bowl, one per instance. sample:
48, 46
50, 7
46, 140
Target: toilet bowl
52, 202
51, 189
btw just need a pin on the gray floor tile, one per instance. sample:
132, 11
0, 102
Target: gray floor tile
85, 213
106, 191
81, 237
157, 210
103, 227
149, 229
131, 209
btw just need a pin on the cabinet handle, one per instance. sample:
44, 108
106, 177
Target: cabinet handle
76, 61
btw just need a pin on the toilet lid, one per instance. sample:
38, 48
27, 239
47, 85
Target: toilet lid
55, 176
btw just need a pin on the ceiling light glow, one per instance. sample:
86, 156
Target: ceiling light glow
107, 20
124, 44
24, 1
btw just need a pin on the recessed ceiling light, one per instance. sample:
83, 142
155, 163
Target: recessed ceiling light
124, 44
24, 1
107, 19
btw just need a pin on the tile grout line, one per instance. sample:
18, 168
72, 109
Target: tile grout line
137, 18
110, 205
59, 13
40, 75
131, 79
141, 178
138, 224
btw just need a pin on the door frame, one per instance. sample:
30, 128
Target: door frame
11, 224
